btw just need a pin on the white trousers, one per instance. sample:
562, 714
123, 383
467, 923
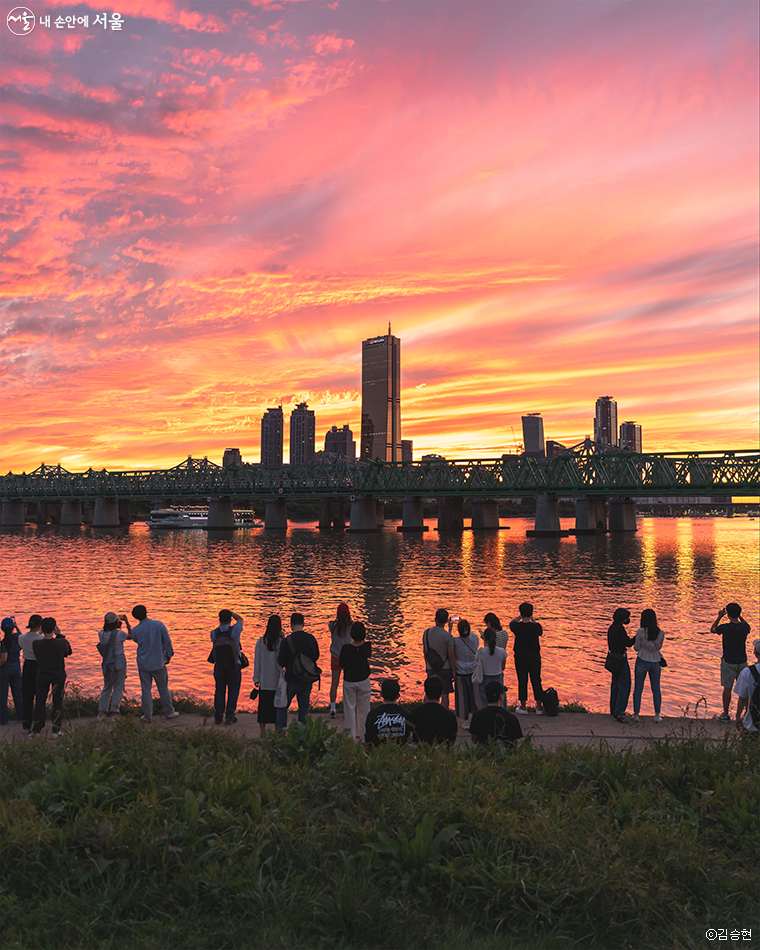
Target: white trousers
356, 698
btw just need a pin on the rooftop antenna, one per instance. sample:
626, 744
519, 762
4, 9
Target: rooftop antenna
389, 328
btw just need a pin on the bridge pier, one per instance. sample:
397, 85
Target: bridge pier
13, 513
106, 513
71, 512
547, 518
276, 514
485, 514
220, 514
363, 514
48, 512
622, 514
332, 514
450, 513
590, 515
380, 513
88, 511
412, 518
125, 511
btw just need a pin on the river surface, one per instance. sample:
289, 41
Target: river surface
684, 568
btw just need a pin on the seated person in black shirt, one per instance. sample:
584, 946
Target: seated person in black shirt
494, 722
431, 722
389, 720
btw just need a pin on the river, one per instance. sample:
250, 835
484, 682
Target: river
684, 568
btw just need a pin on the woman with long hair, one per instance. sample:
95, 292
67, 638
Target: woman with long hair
502, 637
466, 652
493, 659
340, 636
266, 671
114, 664
647, 645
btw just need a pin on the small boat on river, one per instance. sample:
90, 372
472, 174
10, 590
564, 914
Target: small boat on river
195, 518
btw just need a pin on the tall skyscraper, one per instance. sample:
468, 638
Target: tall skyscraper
272, 427
605, 421
407, 450
303, 429
630, 436
340, 442
533, 435
381, 398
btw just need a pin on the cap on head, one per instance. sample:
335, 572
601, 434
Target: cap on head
7, 624
621, 615
110, 617
225, 616
433, 688
494, 691
48, 624
34, 621
343, 609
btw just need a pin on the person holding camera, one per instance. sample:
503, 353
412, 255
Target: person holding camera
50, 653
154, 651
10, 670
111, 647
733, 635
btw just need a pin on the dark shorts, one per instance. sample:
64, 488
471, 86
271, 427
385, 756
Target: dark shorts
266, 706
446, 677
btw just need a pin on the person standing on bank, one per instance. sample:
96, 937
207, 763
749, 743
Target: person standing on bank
466, 652
50, 653
227, 670
502, 637
734, 640
114, 664
493, 659
266, 672
10, 670
618, 642
154, 651
438, 651
527, 649
340, 635
298, 646
29, 672
357, 690
648, 643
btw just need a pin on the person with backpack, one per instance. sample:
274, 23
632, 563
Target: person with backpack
438, 651
747, 689
226, 656
114, 665
298, 658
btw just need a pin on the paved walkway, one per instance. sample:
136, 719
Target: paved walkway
573, 728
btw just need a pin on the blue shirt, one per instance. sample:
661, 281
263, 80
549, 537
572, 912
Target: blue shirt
153, 644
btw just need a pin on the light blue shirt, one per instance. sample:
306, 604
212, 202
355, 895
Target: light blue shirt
153, 644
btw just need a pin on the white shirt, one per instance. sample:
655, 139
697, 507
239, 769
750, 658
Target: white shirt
648, 650
744, 687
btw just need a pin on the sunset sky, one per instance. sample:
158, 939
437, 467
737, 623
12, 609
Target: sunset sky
206, 212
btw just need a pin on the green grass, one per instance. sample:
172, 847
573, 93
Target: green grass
77, 704
198, 839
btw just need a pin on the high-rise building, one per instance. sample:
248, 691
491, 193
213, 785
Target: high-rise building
406, 450
340, 442
605, 421
381, 398
272, 427
630, 436
533, 435
231, 457
553, 449
303, 429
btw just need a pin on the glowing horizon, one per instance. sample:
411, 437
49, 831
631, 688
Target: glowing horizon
206, 212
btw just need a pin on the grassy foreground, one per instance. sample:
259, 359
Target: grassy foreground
197, 839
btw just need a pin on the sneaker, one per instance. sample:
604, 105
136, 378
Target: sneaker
217, 722
724, 717
101, 717
621, 718
635, 717
657, 718
56, 735
465, 725
173, 715
230, 720
520, 711
539, 712
333, 714
145, 720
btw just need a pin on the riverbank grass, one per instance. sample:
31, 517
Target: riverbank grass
197, 838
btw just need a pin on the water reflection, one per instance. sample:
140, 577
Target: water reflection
395, 582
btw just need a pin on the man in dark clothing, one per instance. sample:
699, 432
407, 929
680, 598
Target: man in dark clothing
618, 642
50, 653
527, 647
494, 722
389, 720
10, 670
431, 721
298, 650
227, 666
734, 660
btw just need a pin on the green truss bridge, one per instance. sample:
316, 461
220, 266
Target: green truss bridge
585, 473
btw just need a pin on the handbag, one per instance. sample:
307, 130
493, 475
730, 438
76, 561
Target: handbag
663, 661
244, 661
614, 664
281, 694
477, 676
432, 658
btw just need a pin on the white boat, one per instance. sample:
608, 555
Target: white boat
178, 518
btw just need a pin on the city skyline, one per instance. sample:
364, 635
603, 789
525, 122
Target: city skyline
205, 211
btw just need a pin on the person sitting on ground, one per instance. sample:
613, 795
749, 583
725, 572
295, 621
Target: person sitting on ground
431, 721
387, 722
495, 722
746, 710
734, 659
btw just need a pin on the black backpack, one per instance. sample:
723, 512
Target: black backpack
224, 653
754, 703
551, 701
